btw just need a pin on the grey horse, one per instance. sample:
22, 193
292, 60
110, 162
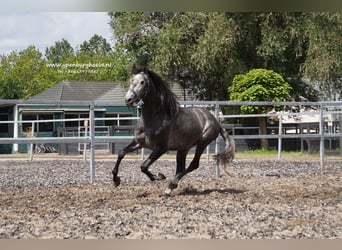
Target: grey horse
164, 126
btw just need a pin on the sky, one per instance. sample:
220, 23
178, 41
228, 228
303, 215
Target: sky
43, 29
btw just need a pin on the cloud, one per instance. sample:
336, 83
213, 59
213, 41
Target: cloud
43, 29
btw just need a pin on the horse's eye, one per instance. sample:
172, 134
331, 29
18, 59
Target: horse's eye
142, 82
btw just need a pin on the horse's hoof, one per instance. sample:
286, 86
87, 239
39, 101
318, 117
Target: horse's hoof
160, 176
171, 186
168, 191
116, 181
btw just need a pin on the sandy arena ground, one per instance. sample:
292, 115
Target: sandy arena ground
52, 198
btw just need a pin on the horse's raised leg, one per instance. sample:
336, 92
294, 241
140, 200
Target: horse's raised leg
129, 148
181, 156
193, 165
148, 162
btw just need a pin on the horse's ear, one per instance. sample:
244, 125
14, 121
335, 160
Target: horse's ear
137, 70
134, 69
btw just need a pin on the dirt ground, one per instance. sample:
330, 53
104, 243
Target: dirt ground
263, 200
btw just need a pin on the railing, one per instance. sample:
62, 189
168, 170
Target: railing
321, 112
91, 138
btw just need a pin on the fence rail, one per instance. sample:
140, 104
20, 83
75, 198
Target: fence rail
323, 109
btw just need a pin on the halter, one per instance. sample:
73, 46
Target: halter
134, 92
139, 102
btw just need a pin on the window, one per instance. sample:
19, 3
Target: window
45, 126
39, 126
77, 124
118, 121
27, 127
4, 127
125, 122
111, 122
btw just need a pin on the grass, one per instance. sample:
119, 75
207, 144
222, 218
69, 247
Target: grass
273, 154
270, 152
258, 154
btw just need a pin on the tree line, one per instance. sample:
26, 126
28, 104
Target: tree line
204, 51
28, 72
201, 51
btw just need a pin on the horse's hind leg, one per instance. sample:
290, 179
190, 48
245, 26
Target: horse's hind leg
193, 165
129, 148
181, 156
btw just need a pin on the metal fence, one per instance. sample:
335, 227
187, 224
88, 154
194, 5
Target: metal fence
320, 110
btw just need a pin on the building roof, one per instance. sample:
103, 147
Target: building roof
83, 91
95, 91
182, 94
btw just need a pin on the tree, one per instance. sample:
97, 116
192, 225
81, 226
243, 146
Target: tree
10, 88
136, 32
27, 73
203, 51
323, 64
59, 52
197, 49
97, 45
175, 46
94, 60
21, 74
304, 45
259, 85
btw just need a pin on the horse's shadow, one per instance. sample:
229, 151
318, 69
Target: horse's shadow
193, 191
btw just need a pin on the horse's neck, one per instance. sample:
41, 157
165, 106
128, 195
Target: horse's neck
150, 108
153, 107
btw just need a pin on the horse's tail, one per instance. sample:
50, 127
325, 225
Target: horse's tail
227, 155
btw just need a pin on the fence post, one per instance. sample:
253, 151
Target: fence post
217, 109
142, 154
86, 126
92, 141
321, 131
280, 132
340, 139
31, 144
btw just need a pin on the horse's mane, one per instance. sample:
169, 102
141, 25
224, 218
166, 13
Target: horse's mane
169, 100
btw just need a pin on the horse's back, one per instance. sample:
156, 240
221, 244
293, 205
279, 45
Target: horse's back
208, 122
202, 115
192, 125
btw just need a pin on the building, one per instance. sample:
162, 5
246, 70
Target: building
72, 91
76, 91
6, 130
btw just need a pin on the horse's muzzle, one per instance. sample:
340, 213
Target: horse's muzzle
129, 101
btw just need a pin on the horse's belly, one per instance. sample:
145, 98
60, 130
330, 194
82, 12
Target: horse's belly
184, 140
180, 146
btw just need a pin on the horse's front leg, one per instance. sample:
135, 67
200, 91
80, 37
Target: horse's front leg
148, 162
129, 148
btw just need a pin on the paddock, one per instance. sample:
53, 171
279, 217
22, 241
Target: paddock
264, 199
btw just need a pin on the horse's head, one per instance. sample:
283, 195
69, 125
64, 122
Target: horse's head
137, 89
146, 82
